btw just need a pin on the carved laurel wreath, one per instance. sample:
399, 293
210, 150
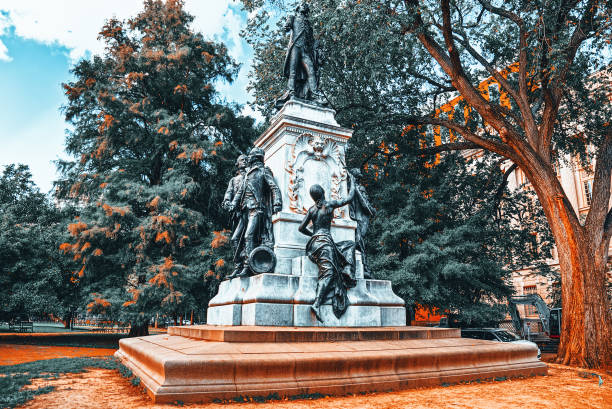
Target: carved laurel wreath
313, 147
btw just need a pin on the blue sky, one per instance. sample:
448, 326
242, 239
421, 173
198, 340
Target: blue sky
41, 40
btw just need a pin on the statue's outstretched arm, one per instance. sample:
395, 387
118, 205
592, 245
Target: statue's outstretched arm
348, 198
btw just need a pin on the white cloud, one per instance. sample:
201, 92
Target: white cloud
4, 53
75, 24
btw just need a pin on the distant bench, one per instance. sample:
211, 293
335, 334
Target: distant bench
111, 329
23, 326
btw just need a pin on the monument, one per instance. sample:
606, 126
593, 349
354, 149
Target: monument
300, 313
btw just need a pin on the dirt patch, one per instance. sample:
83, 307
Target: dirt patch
11, 354
563, 388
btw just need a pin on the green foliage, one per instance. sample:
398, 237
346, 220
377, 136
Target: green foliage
34, 277
446, 238
13, 378
154, 147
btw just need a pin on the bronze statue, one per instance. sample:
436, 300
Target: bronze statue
302, 60
238, 218
258, 198
361, 210
335, 260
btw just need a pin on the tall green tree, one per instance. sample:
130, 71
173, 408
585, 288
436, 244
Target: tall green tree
446, 237
35, 279
392, 63
154, 146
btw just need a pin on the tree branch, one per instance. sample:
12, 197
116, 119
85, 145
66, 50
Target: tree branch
552, 106
488, 144
502, 12
502, 186
601, 184
527, 122
443, 88
522, 100
453, 146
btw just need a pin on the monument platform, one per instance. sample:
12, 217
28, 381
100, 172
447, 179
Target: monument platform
205, 363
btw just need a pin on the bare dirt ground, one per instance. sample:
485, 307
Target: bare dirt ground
17, 354
564, 387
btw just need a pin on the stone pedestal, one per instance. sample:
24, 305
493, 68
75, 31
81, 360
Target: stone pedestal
304, 146
205, 363
285, 300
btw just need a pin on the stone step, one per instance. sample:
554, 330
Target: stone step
309, 334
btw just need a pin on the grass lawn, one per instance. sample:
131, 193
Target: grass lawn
13, 378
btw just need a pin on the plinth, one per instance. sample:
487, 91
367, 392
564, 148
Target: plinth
304, 145
207, 363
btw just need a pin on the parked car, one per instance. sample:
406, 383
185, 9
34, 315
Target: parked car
495, 334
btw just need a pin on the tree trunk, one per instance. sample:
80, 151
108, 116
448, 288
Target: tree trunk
67, 320
586, 335
139, 330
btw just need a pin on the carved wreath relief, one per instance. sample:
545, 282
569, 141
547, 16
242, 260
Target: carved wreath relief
313, 159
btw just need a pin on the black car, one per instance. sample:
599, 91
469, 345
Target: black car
494, 334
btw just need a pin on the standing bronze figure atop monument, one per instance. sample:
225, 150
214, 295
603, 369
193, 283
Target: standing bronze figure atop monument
302, 61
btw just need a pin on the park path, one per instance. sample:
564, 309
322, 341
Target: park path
12, 354
563, 388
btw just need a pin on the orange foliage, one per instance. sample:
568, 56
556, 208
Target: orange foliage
65, 247
172, 145
220, 239
103, 185
76, 228
160, 279
109, 210
89, 82
133, 77
162, 219
153, 203
97, 252
207, 56
181, 89
86, 246
98, 301
182, 155
219, 143
81, 272
219, 263
174, 296
109, 120
163, 236
74, 189
73, 92
168, 263
101, 149
197, 155
183, 192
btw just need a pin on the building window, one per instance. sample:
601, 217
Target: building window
530, 309
588, 191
